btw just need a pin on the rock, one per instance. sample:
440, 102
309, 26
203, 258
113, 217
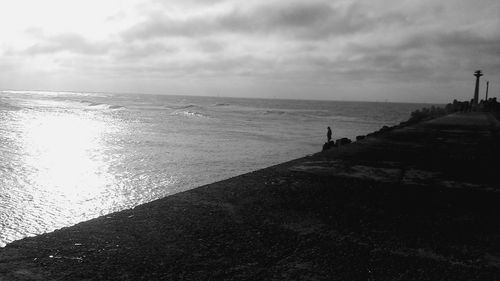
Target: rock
343, 141
329, 145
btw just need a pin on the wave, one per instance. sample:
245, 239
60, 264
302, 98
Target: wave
191, 114
101, 105
177, 107
278, 112
294, 111
344, 119
304, 114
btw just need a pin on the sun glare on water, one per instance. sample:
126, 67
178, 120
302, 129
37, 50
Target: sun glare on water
62, 147
65, 153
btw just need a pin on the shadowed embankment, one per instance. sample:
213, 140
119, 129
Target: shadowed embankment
420, 202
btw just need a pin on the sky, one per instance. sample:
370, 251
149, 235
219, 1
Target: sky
371, 50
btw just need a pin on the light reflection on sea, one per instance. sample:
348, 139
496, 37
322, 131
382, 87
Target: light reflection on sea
62, 164
64, 175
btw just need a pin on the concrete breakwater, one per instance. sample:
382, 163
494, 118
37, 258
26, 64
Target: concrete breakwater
419, 202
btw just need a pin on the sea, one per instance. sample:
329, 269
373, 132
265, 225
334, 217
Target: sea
67, 157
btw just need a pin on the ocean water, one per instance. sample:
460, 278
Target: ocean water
69, 157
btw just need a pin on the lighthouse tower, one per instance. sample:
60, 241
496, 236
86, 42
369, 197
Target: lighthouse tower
478, 74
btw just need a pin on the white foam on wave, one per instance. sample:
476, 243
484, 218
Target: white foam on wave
98, 105
191, 114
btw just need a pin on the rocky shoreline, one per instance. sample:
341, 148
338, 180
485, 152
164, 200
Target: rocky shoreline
416, 202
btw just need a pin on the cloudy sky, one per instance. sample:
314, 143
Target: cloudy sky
375, 50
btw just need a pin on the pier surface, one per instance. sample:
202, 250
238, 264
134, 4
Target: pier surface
420, 202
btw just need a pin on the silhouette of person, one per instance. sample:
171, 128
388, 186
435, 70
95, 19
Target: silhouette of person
329, 134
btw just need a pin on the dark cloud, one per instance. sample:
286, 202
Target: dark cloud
297, 15
310, 20
320, 20
468, 39
428, 41
376, 67
158, 26
68, 42
426, 54
273, 18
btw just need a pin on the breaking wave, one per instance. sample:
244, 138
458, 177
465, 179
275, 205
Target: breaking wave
189, 113
98, 105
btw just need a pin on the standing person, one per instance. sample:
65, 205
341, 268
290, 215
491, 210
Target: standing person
329, 134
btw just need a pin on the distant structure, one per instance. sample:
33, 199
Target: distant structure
487, 87
478, 74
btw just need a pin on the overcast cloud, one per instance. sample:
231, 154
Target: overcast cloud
415, 51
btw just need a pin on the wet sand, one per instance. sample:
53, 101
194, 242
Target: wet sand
420, 202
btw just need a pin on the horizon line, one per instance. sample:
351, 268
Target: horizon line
213, 96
